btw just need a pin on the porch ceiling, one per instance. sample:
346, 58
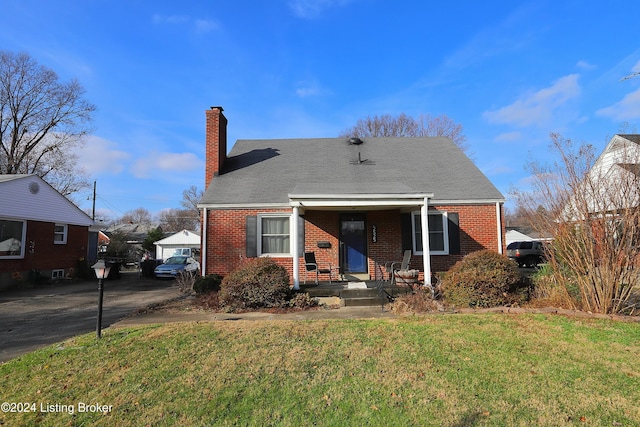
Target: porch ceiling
357, 196
357, 201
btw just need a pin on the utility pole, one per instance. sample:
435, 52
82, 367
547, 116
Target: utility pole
93, 212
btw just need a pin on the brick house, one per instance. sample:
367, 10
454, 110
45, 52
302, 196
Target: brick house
356, 203
41, 232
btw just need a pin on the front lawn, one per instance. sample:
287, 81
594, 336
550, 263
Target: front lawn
434, 370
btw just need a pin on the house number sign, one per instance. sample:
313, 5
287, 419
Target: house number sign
374, 233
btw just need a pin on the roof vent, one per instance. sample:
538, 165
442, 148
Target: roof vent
355, 141
362, 161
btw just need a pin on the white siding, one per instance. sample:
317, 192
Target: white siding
29, 197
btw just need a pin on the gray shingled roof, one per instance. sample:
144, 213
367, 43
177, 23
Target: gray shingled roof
266, 171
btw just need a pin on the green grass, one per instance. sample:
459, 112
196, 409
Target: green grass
451, 370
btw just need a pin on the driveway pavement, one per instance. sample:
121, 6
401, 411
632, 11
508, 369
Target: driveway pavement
34, 318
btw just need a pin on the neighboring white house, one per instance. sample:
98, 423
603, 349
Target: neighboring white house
43, 235
516, 236
612, 183
184, 242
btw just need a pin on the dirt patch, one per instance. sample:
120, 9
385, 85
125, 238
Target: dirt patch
202, 304
195, 304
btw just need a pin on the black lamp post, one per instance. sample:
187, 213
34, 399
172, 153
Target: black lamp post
102, 271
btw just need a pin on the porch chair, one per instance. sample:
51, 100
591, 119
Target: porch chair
311, 264
404, 265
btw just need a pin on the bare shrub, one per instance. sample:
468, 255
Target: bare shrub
590, 207
419, 301
185, 282
548, 292
303, 300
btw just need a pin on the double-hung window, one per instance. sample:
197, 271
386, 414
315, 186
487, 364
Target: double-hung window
60, 234
274, 234
438, 233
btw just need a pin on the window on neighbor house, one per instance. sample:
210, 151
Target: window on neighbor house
60, 234
438, 233
274, 235
12, 234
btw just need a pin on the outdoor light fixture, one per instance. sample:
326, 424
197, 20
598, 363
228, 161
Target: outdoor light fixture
102, 272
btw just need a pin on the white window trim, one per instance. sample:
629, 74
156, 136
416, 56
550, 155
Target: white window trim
23, 240
65, 232
259, 234
415, 216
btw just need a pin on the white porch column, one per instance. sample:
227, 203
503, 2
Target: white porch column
499, 223
203, 244
294, 247
426, 258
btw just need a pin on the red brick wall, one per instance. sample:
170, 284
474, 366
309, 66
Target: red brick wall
46, 255
226, 237
215, 143
478, 230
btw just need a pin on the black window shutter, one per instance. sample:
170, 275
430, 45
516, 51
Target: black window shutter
300, 236
406, 230
251, 243
454, 232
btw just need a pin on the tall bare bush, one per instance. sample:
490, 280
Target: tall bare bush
590, 206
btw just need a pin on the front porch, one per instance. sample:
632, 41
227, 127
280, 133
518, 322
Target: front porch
361, 293
347, 238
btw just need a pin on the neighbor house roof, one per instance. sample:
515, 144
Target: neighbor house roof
27, 196
184, 237
267, 171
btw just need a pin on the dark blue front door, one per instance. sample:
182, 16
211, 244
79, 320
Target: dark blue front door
353, 244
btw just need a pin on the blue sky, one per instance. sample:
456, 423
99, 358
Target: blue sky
510, 72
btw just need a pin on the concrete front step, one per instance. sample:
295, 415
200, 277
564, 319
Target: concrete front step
353, 297
358, 293
363, 301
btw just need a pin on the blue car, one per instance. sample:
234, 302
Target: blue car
176, 265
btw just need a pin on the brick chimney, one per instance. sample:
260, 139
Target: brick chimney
216, 143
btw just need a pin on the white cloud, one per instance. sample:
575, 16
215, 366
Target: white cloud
100, 155
155, 164
308, 88
509, 137
537, 107
171, 19
312, 8
200, 25
585, 65
205, 25
626, 109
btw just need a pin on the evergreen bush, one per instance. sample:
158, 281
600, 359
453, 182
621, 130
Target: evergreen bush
481, 279
257, 283
207, 284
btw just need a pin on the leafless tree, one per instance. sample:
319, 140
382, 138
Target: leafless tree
174, 220
404, 125
591, 207
190, 199
42, 122
137, 216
